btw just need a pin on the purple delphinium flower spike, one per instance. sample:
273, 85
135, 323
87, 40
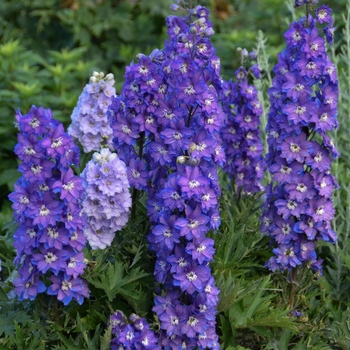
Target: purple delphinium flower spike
241, 135
298, 208
47, 204
90, 123
107, 200
166, 125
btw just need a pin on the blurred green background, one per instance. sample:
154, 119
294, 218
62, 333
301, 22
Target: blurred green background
49, 48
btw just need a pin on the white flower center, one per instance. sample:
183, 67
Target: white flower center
311, 66
192, 321
24, 200
324, 117
143, 70
201, 248
301, 188
247, 118
291, 205
29, 151
294, 147
56, 143
298, 87
318, 157
193, 184
206, 197
202, 48
126, 129
72, 263
135, 174
201, 147
74, 236
52, 232
44, 211
167, 233
50, 257
314, 47
322, 14
149, 120
34, 123
182, 262
190, 90
320, 210
192, 224
174, 320
69, 186
31, 232
129, 336
36, 169
286, 229
175, 196
191, 276
296, 36
177, 135
300, 110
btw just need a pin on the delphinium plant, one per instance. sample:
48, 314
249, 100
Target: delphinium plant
47, 208
241, 134
299, 208
188, 198
168, 114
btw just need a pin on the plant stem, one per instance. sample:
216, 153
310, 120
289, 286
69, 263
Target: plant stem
135, 192
293, 278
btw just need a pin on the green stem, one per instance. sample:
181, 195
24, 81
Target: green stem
293, 278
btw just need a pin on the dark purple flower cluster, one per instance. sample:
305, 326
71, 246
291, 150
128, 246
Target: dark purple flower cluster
107, 198
90, 124
299, 209
167, 124
133, 335
241, 134
47, 209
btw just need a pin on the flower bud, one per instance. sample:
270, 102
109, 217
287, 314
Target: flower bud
174, 7
193, 30
181, 159
244, 53
193, 147
109, 77
253, 55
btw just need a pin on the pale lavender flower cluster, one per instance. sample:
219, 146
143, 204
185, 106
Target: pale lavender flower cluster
90, 124
166, 124
133, 335
299, 208
241, 134
107, 199
47, 209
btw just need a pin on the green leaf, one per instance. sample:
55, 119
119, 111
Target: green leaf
117, 279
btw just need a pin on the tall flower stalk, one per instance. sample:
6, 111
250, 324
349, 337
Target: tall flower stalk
47, 209
166, 124
304, 95
241, 134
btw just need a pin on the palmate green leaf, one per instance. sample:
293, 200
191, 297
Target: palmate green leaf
117, 279
25, 341
68, 343
105, 340
8, 320
91, 343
